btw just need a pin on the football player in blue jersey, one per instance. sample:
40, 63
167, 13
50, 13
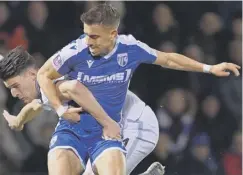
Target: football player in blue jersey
18, 70
104, 62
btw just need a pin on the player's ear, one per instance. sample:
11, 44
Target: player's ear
114, 34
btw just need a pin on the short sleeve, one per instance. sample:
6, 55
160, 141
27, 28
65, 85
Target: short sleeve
145, 53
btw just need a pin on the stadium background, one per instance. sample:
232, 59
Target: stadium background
200, 115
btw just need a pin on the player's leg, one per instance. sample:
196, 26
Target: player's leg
142, 136
107, 156
111, 162
67, 154
63, 161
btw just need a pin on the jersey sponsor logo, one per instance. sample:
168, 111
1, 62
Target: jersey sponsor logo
114, 78
122, 59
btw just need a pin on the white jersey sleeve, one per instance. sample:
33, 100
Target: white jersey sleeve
66, 58
133, 106
144, 53
45, 102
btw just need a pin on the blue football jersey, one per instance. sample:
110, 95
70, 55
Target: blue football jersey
108, 77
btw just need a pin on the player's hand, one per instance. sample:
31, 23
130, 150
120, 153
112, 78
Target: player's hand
12, 121
224, 69
73, 114
112, 131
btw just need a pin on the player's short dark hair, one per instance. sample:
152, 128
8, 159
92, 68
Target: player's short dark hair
15, 62
103, 14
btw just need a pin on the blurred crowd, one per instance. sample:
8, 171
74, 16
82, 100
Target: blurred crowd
199, 115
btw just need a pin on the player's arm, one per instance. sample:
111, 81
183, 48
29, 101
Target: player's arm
45, 76
181, 62
77, 92
178, 61
58, 65
27, 113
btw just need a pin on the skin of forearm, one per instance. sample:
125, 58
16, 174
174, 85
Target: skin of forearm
49, 89
84, 98
28, 113
179, 62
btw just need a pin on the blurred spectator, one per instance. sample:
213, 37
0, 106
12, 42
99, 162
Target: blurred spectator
210, 24
195, 52
37, 30
176, 118
12, 32
207, 35
199, 161
37, 14
120, 5
18, 37
232, 159
227, 8
235, 51
4, 29
162, 153
237, 26
4, 13
231, 88
210, 115
166, 27
168, 47
199, 83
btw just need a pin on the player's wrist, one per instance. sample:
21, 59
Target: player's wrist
207, 68
109, 121
61, 109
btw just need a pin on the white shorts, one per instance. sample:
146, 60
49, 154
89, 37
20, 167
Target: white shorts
142, 134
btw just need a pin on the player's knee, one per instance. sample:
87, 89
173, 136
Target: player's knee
56, 160
66, 86
115, 160
64, 158
58, 155
118, 165
71, 86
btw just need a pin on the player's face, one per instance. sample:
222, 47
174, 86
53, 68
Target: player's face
100, 39
23, 86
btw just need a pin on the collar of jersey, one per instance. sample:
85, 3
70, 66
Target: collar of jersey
113, 50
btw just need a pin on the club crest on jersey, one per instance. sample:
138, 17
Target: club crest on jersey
57, 61
122, 59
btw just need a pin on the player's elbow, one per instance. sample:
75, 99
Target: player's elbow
70, 87
47, 72
43, 75
162, 59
